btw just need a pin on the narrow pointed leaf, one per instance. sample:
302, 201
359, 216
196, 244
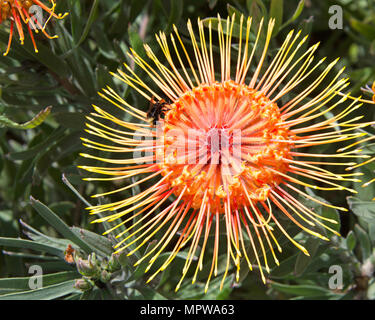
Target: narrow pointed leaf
28, 244
34, 122
22, 284
276, 12
296, 14
59, 225
46, 293
100, 244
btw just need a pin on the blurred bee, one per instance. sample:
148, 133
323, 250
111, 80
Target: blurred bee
157, 109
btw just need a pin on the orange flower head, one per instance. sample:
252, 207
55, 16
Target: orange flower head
227, 142
214, 116
29, 12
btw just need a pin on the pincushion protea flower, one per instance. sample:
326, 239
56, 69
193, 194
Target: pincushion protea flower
229, 150
18, 11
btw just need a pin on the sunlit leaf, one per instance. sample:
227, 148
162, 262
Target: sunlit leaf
34, 122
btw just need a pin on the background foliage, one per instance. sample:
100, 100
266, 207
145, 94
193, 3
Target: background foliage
38, 203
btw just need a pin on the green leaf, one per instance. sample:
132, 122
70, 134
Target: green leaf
368, 148
45, 56
70, 186
52, 266
196, 291
36, 151
140, 269
34, 122
28, 244
212, 3
351, 240
103, 79
148, 293
364, 242
46, 293
285, 268
301, 290
9, 285
233, 11
333, 214
70, 119
257, 10
371, 292
75, 11
136, 8
303, 261
89, 22
305, 26
362, 209
39, 237
135, 40
29, 255
98, 243
276, 12
327, 212
175, 13
365, 29
296, 14
59, 225
107, 225
371, 233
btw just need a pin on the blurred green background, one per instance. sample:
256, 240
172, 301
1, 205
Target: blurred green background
66, 75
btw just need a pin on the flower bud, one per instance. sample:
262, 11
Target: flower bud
87, 268
113, 263
92, 259
83, 284
105, 276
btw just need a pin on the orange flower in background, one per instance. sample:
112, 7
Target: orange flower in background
29, 12
229, 156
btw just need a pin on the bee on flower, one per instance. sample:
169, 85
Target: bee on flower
231, 154
30, 13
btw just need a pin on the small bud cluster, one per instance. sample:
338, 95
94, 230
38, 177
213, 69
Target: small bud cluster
95, 271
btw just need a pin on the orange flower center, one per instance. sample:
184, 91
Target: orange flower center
223, 142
